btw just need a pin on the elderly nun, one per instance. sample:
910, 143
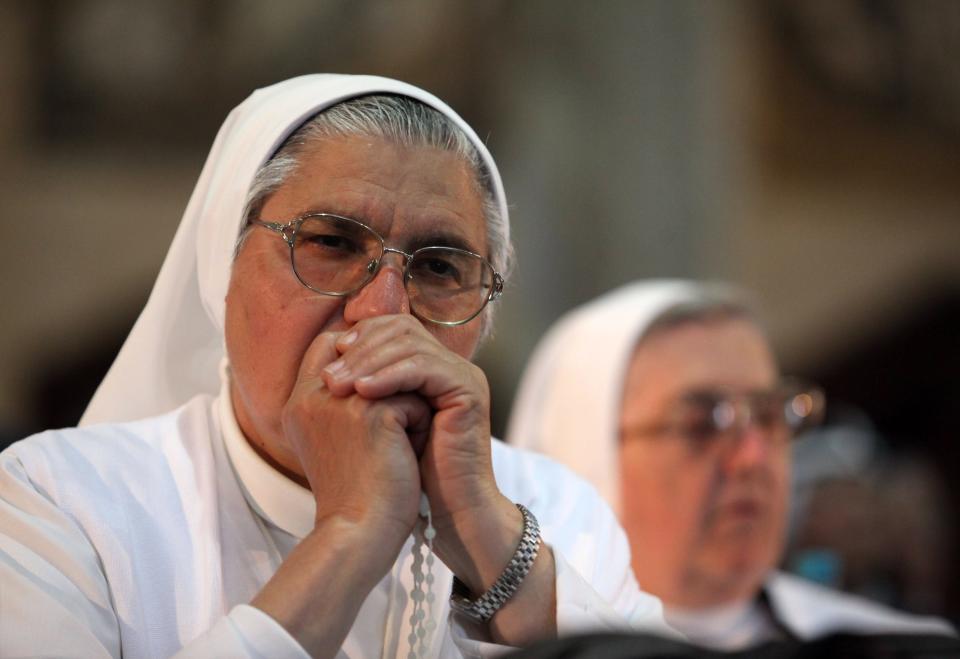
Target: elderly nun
291, 454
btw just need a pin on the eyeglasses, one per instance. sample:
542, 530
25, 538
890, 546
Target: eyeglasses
707, 417
337, 256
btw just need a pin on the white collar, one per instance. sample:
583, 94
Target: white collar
728, 627
276, 498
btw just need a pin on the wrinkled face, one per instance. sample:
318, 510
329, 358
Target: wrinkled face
705, 522
412, 196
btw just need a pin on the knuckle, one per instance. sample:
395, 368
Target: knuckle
356, 406
407, 321
406, 342
380, 417
410, 325
300, 404
414, 362
300, 411
475, 373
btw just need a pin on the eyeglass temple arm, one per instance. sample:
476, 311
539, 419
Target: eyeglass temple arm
278, 227
497, 289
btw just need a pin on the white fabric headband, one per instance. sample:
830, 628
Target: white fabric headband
176, 345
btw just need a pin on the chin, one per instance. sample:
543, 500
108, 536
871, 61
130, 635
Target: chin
742, 567
749, 564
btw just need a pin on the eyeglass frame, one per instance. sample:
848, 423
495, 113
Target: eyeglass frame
293, 226
735, 431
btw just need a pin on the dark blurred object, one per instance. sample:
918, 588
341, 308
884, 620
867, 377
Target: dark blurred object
846, 646
111, 71
905, 381
905, 377
894, 56
68, 377
9, 435
881, 533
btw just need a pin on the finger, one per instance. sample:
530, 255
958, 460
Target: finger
373, 344
413, 415
320, 352
406, 375
440, 379
341, 375
378, 330
371, 334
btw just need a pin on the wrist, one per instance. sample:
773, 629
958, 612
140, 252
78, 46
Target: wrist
478, 548
319, 588
368, 546
482, 607
477, 544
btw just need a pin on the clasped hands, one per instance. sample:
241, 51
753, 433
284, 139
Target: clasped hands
384, 410
378, 413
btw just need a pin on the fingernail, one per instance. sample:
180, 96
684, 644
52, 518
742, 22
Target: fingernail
365, 379
335, 368
347, 338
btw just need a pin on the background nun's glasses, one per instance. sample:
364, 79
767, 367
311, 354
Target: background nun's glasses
713, 417
337, 256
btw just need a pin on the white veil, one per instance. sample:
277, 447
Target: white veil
174, 350
568, 401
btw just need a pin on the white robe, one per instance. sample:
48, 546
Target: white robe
148, 538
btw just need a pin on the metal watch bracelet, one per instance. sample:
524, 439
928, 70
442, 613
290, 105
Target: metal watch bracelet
482, 608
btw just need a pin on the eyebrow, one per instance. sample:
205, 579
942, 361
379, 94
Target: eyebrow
441, 239
432, 237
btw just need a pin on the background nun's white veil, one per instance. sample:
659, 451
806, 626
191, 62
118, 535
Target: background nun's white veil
174, 349
569, 397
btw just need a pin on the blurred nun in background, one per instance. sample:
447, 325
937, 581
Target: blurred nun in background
667, 397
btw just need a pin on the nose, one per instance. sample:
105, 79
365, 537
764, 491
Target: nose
749, 448
384, 294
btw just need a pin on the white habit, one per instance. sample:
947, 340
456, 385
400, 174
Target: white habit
148, 538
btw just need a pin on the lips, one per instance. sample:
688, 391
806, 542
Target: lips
741, 510
745, 508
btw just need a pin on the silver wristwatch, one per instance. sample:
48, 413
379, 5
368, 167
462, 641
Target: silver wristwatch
482, 608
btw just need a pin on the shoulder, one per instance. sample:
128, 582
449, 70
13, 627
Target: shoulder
542, 484
810, 610
572, 515
103, 458
584, 534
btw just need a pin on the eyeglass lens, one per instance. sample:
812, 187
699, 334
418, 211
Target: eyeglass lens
783, 411
337, 256
333, 255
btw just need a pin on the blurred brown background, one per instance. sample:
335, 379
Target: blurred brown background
807, 150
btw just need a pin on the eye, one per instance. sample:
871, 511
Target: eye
333, 243
330, 237
701, 420
328, 246
439, 267
769, 411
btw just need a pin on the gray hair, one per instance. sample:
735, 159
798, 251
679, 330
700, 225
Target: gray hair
402, 120
710, 302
